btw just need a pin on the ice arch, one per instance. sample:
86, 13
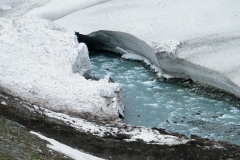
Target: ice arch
194, 58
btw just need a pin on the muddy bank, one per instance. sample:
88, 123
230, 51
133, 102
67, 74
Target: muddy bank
111, 147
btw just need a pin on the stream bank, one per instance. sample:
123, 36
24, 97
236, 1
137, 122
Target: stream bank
114, 147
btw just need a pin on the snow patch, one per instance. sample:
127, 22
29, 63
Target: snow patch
3, 103
66, 150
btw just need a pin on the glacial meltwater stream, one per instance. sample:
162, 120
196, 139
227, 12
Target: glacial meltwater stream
152, 103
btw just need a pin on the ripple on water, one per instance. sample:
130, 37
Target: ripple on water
151, 103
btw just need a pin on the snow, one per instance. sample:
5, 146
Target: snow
3, 103
55, 9
66, 150
191, 39
212, 59
156, 20
41, 63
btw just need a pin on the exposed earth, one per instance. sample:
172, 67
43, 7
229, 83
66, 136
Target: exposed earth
107, 147
17, 143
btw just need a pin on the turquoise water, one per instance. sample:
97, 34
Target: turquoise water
152, 103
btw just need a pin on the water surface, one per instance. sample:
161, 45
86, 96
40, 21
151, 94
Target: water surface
152, 103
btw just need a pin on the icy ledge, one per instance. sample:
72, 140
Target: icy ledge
212, 60
42, 64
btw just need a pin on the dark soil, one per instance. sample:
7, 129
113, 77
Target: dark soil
16, 142
114, 147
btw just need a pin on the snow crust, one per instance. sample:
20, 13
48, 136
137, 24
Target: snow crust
66, 150
42, 64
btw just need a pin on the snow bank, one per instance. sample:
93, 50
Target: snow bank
212, 59
155, 20
156, 32
42, 64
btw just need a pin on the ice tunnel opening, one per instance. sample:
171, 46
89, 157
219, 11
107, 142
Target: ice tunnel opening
91, 42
